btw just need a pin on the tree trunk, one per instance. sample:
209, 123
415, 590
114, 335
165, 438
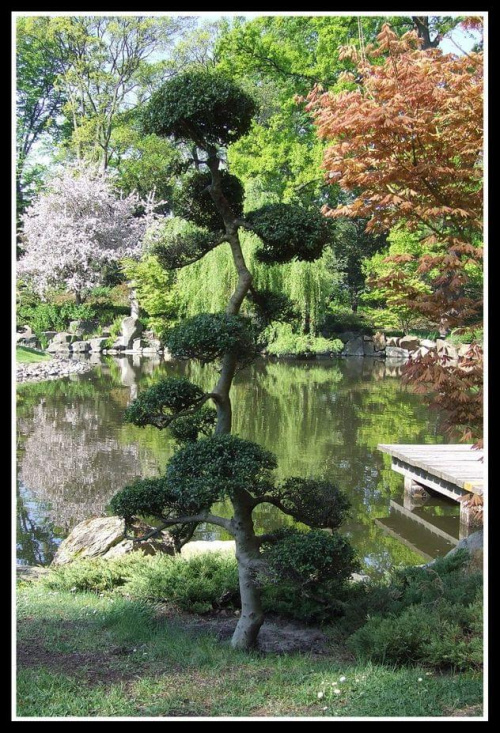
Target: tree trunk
247, 555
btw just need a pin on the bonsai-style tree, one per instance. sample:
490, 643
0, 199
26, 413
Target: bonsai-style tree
205, 112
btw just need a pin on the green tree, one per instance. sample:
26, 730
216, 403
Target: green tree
208, 112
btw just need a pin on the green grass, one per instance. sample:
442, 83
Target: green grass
85, 655
25, 355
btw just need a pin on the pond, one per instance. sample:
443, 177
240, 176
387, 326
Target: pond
322, 418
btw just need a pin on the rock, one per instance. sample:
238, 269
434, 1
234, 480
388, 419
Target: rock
154, 344
31, 341
421, 351
105, 537
463, 349
118, 345
369, 349
96, 344
150, 351
199, 546
139, 344
367, 337
80, 328
428, 344
63, 337
106, 332
355, 347
90, 538
79, 346
131, 329
410, 343
379, 341
56, 348
394, 352
346, 336
392, 341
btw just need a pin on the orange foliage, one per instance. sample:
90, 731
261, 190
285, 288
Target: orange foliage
408, 142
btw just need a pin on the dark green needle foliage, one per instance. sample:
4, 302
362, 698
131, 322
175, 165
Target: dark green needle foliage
204, 107
208, 336
289, 232
192, 200
270, 306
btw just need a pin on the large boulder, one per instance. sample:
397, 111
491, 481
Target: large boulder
81, 346
131, 330
105, 537
81, 327
368, 348
379, 341
410, 343
355, 347
63, 338
346, 336
97, 343
428, 344
392, 341
394, 352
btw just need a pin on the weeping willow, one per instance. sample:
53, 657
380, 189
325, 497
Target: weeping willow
207, 284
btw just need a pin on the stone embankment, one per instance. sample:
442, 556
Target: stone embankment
53, 369
398, 348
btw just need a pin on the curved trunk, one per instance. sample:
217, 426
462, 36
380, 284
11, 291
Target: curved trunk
247, 546
247, 555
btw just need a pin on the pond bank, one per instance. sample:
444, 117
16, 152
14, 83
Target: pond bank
53, 369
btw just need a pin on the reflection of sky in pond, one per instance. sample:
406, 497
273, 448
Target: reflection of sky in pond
322, 419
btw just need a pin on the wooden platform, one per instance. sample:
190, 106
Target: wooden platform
451, 470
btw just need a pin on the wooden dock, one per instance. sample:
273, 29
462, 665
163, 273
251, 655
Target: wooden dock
454, 471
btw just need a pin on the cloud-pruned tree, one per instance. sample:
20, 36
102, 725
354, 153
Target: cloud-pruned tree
205, 112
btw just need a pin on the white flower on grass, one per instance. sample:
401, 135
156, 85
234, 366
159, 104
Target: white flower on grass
419, 679
337, 691
320, 695
342, 679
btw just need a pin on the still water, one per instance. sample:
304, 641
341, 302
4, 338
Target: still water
322, 418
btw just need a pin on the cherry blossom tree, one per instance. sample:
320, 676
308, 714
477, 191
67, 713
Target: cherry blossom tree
77, 226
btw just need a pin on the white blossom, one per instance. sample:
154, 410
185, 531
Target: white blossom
78, 225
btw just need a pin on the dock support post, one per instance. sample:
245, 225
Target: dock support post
415, 495
470, 520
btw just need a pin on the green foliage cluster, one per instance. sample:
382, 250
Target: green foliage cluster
164, 398
289, 232
188, 428
192, 200
320, 503
208, 336
216, 467
176, 242
339, 319
155, 291
284, 341
200, 106
430, 615
196, 584
57, 317
318, 563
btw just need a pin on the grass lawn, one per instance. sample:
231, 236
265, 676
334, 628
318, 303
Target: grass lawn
25, 355
84, 655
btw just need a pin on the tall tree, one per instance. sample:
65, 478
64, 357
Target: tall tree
407, 139
208, 111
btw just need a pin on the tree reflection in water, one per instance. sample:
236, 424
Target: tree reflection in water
322, 418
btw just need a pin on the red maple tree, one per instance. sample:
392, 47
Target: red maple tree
407, 142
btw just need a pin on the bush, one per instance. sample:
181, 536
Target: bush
57, 316
92, 575
306, 575
441, 635
284, 342
341, 319
197, 584
431, 615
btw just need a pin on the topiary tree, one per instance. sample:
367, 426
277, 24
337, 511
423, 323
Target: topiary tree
206, 112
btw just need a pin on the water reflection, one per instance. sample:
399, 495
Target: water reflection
321, 418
